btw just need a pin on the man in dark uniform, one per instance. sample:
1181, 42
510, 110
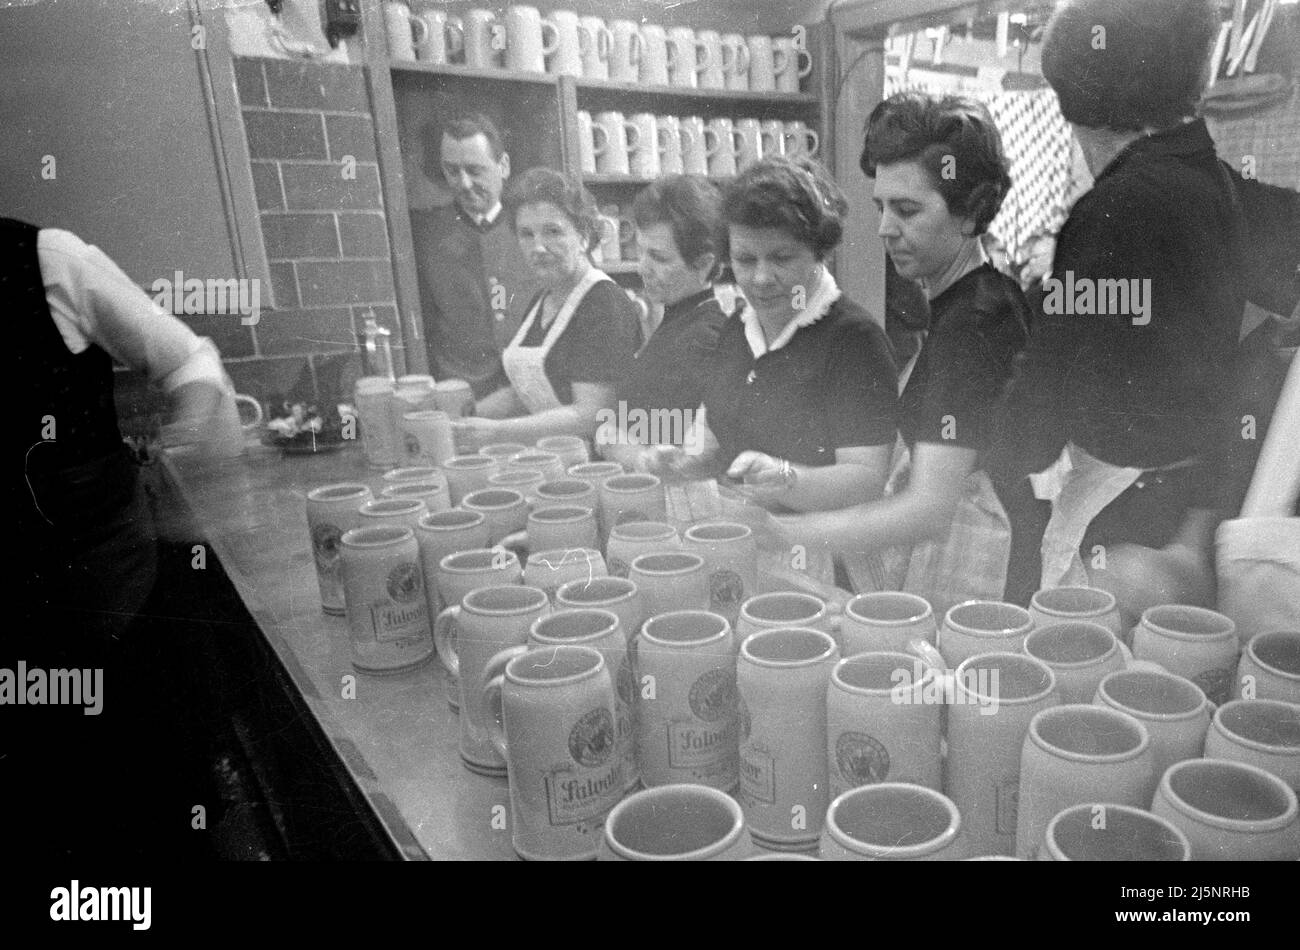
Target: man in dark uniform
474, 282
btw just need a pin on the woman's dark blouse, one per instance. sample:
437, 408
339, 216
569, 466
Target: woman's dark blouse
977, 326
597, 346
672, 369
833, 385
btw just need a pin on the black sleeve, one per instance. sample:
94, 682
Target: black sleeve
602, 337
861, 389
967, 373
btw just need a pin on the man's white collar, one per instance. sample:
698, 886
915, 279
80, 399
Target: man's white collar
825, 294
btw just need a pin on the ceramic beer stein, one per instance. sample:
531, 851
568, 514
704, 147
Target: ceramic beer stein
636, 497
722, 150
735, 61
552, 569
982, 626
1079, 753
555, 731
570, 492
1262, 732
567, 58
485, 39
1193, 642
731, 558
524, 481
709, 65
685, 670
669, 134
683, 57
332, 510
615, 594
695, 145
612, 143
749, 143
1173, 709
1057, 604
994, 698
1080, 653
886, 620
467, 473
459, 573
654, 55
626, 51
785, 608
1105, 831
529, 39
383, 588
671, 581
1230, 811
403, 31
762, 64
433, 494
537, 460
1270, 668
791, 63
643, 160
675, 823
631, 539
596, 43
781, 679
404, 511
445, 37
506, 510
571, 449
883, 722
892, 821
487, 620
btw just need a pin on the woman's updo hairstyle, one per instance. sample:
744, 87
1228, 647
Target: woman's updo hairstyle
797, 196
953, 139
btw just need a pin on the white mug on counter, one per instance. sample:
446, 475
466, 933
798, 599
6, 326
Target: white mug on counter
529, 39
482, 46
654, 55
567, 60
596, 42
791, 63
735, 61
626, 49
399, 26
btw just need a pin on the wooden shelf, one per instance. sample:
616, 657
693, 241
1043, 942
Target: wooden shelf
470, 72
691, 93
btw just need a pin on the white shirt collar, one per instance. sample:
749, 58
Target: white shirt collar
825, 294
490, 217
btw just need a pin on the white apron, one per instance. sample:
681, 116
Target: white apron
526, 365
1079, 487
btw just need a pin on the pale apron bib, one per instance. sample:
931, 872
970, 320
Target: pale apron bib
526, 365
1079, 487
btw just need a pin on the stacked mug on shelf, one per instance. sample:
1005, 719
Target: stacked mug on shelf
645, 145
593, 645
562, 42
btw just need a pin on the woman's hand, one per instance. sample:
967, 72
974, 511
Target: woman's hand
765, 479
473, 432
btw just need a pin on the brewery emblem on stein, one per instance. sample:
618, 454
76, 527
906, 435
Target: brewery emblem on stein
698, 744
584, 801
861, 759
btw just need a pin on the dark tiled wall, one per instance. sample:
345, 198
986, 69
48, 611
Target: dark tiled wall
325, 232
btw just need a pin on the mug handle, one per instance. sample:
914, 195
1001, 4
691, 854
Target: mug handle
743, 58
769, 144
443, 628
420, 30
635, 49
494, 676
813, 142
729, 62
633, 136
599, 139
717, 142
257, 408
604, 43
703, 57
549, 49
514, 542
688, 137
670, 56
664, 135
780, 60
804, 70
455, 28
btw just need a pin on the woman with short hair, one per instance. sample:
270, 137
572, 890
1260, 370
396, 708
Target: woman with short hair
678, 222
579, 334
801, 404
940, 176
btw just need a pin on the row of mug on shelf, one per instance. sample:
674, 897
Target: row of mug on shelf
566, 44
647, 145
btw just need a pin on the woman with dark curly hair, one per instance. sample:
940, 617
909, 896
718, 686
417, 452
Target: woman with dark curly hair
1128, 366
940, 176
579, 334
678, 223
801, 406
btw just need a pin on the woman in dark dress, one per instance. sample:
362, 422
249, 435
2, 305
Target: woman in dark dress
940, 177
678, 222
